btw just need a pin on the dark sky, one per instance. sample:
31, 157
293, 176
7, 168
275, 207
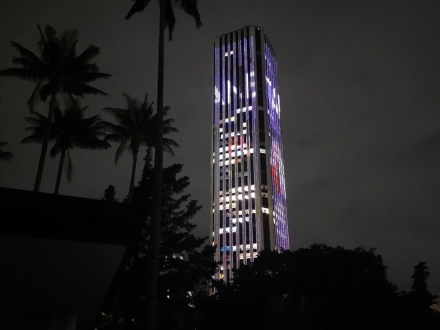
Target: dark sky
360, 107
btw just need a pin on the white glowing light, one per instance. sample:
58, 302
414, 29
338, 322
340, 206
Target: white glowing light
247, 86
217, 95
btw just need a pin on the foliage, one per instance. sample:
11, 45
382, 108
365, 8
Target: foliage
58, 69
110, 195
166, 19
136, 126
70, 129
315, 288
417, 304
5, 155
182, 266
189, 6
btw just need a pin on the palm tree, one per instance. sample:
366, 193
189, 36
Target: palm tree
137, 127
4, 155
69, 130
167, 19
59, 70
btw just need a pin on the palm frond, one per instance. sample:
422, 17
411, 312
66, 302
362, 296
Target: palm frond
91, 121
35, 121
118, 138
72, 103
24, 63
120, 150
33, 139
50, 33
132, 103
28, 55
166, 109
47, 89
169, 129
49, 45
89, 67
57, 55
55, 150
42, 42
35, 96
82, 89
100, 134
190, 7
87, 55
92, 144
36, 115
168, 145
118, 114
147, 107
115, 129
170, 19
21, 73
5, 155
88, 77
169, 150
136, 126
68, 42
138, 7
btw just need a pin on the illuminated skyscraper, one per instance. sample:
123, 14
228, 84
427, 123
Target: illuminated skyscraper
249, 211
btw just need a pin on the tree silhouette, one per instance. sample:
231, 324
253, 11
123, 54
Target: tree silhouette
182, 265
166, 19
136, 127
110, 195
320, 287
57, 70
5, 155
417, 303
69, 130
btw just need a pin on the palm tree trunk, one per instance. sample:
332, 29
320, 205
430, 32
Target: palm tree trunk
43, 153
153, 260
60, 172
133, 174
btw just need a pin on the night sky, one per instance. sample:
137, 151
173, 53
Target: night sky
359, 86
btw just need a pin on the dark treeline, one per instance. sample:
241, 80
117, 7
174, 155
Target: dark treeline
319, 287
185, 264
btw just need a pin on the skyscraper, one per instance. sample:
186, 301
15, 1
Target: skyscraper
249, 211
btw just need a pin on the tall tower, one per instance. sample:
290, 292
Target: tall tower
249, 212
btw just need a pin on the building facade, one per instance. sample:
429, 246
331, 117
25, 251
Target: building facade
249, 212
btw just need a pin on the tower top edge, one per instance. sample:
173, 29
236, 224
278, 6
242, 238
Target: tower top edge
241, 29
